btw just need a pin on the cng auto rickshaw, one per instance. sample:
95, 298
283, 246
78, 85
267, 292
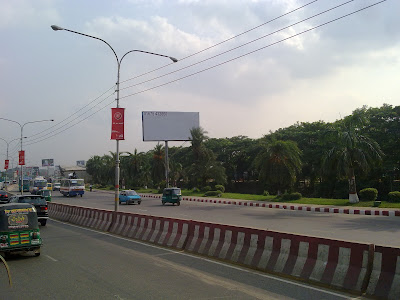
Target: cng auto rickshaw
19, 229
46, 194
171, 195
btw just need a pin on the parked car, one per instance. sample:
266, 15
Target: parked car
4, 197
56, 186
129, 196
38, 201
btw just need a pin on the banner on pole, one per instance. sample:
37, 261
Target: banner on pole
6, 162
117, 123
21, 156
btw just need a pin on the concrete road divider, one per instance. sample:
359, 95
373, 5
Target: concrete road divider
162, 231
350, 266
385, 276
334, 263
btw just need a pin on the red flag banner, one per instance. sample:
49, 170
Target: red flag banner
21, 160
117, 123
6, 162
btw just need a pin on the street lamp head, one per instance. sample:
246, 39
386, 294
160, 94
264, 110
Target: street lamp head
55, 27
173, 59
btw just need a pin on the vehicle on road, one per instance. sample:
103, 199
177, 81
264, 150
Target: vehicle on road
37, 184
4, 197
26, 183
49, 186
19, 229
72, 187
38, 201
14, 181
46, 194
172, 195
129, 196
56, 186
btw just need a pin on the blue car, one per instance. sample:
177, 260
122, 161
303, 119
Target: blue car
129, 196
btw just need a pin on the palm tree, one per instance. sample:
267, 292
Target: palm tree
158, 164
279, 163
352, 151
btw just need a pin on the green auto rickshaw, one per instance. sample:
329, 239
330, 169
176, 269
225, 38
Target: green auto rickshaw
19, 229
172, 195
46, 194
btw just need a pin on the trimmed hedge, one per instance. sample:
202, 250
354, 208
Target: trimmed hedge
206, 188
291, 196
394, 196
213, 194
220, 187
368, 194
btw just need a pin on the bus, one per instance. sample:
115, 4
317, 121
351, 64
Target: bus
26, 184
37, 184
72, 187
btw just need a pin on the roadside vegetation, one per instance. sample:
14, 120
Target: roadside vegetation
340, 163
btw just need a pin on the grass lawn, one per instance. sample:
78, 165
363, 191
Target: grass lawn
271, 198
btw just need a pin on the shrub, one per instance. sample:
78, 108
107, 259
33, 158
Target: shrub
291, 196
212, 194
195, 190
394, 196
206, 188
368, 194
265, 193
220, 187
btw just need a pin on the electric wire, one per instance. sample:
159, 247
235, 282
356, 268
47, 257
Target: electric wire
235, 48
222, 63
224, 41
251, 52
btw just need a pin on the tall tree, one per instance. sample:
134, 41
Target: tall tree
351, 152
279, 163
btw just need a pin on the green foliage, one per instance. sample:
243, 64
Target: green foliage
213, 194
195, 190
265, 193
279, 163
291, 196
220, 187
206, 188
394, 197
368, 194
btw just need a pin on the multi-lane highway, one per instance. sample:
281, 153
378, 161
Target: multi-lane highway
380, 230
78, 263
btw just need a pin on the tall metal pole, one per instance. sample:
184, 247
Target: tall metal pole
166, 165
117, 162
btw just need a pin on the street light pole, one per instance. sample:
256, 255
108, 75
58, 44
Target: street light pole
22, 128
8, 145
117, 162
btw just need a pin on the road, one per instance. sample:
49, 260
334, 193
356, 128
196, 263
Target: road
78, 263
379, 230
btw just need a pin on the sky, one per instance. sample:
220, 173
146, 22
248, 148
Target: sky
247, 67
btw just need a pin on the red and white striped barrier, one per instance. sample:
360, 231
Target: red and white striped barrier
158, 230
385, 276
334, 263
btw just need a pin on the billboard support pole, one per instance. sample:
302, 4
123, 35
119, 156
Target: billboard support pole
166, 165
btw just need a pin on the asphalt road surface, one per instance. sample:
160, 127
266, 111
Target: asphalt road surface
379, 230
78, 263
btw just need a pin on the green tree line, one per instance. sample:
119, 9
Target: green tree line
318, 159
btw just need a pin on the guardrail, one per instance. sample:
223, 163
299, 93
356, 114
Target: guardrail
356, 267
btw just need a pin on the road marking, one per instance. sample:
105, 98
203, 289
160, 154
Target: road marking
215, 262
142, 209
49, 257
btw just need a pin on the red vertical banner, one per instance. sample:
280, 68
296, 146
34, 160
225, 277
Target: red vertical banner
6, 162
117, 123
21, 155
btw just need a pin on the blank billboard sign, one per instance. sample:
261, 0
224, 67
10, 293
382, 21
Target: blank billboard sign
168, 126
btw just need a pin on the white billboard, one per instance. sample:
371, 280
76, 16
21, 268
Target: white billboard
168, 126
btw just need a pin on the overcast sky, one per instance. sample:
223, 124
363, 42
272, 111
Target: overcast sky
246, 82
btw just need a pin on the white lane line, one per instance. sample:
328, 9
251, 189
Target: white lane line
49, 257
213, 261
142, 209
